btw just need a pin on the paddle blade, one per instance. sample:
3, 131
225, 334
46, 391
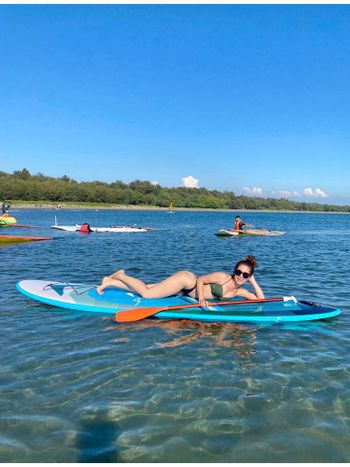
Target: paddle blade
136, 314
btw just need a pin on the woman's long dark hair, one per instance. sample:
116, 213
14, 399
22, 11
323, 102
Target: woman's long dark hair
250, 261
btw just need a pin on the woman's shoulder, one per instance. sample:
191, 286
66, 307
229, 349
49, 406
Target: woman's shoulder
223, 275
217, 276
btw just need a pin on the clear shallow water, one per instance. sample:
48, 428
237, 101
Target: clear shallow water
80, 388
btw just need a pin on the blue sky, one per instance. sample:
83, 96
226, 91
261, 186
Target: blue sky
247, 98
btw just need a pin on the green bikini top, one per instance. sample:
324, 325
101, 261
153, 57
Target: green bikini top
217, 290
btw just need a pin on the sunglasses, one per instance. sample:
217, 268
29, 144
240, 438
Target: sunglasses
245, 275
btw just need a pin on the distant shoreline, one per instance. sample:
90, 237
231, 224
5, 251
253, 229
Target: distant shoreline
100, 207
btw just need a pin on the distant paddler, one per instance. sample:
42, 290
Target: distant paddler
5, 218
239, 228
171, 208
239, 224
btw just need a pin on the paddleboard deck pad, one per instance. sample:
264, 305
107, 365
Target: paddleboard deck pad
83, 297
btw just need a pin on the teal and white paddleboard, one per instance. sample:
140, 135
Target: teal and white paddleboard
83, 297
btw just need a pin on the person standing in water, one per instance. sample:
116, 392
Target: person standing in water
216, 285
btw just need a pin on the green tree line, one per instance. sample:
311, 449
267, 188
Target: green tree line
23, 186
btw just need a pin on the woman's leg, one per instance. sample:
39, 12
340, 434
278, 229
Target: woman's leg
108, 281
170, 286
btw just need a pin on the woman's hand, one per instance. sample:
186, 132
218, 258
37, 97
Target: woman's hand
203, 303
252, 279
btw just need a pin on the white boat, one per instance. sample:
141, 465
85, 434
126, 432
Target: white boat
119, 229
111, 228
114, 229
66, 228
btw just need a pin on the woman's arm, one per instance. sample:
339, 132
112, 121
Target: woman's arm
249, 295
258, 292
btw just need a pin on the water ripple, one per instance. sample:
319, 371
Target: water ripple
80, 388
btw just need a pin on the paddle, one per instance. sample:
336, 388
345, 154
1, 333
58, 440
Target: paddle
136, 314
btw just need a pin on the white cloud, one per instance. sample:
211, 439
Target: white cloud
257, 191
308, 192
154, 183
253, 191
318, 193
289, 194
190, 182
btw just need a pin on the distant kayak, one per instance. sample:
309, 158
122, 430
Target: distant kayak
261, 232
234, 233
115, 229
17, 226
83, 297
21, 239
5, 220
227, 233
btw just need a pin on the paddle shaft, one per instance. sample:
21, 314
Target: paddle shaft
136, 314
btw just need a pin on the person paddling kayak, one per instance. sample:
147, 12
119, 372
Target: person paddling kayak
216, 285
239, 224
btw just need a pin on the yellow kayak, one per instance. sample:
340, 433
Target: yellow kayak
5, 220
265, 232
21, 239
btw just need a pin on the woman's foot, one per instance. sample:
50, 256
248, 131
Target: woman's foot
106, 281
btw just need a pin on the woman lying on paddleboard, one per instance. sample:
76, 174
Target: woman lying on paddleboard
217, 285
